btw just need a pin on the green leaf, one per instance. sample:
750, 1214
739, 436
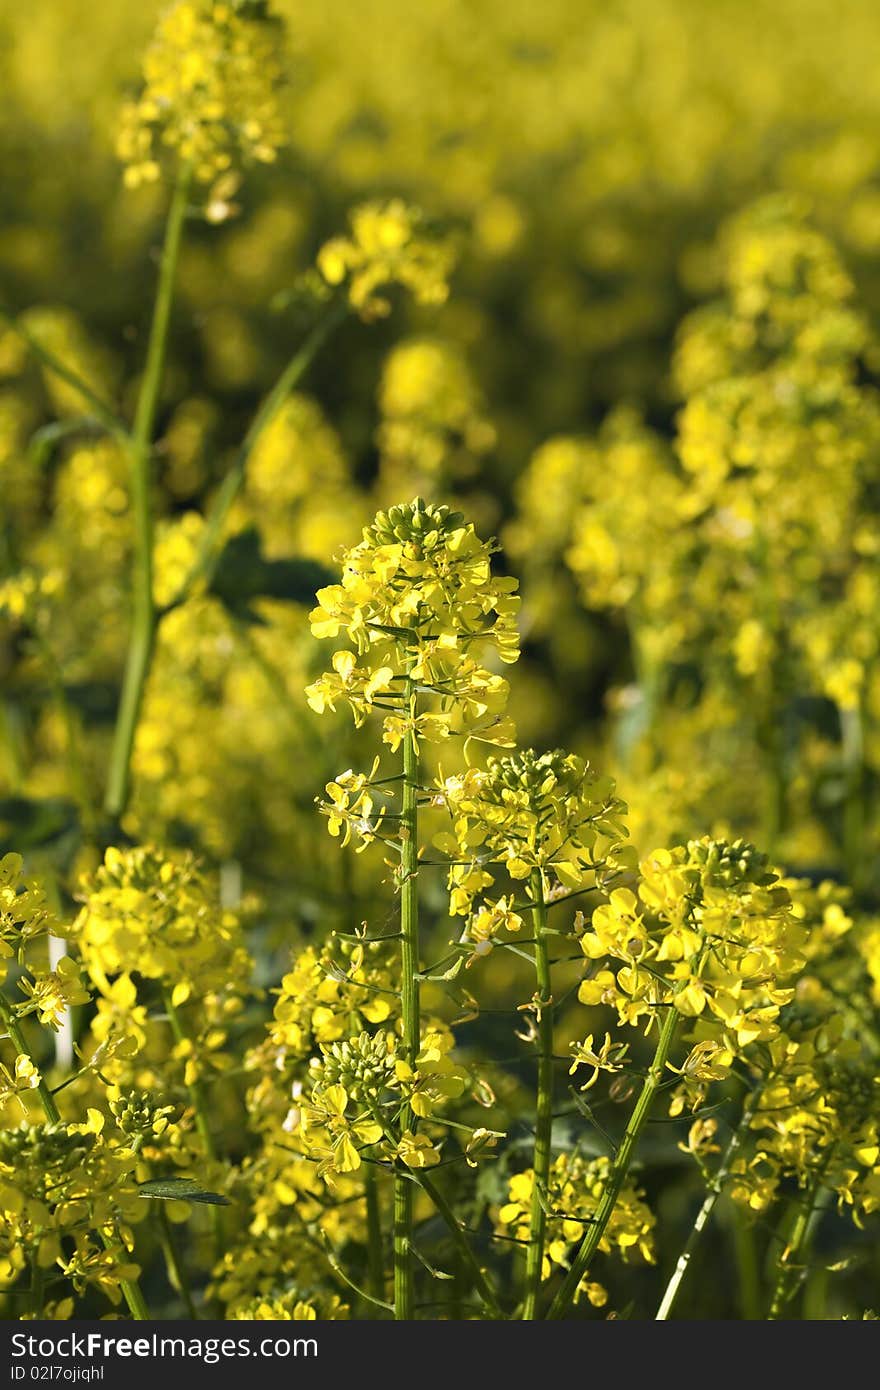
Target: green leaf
181, 1190
43, 441
244, 574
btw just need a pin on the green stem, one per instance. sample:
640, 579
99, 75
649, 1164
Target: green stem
143, 630
797, 1247
130, 1287
210, 544
702, 1218
375, 1266
409, 990
544, 1108
619, 1169
177, 1277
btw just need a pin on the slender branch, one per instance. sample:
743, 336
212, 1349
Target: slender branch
461, 1243
340, 1272
715, 1189
619, 1169
103, 412
544, 1108
143, 629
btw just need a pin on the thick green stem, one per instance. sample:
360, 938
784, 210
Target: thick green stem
130, 1288
409, 989
714, 1191
143, 628
210, 544
619, 1169
544, 1107
797, 1247
375, 1265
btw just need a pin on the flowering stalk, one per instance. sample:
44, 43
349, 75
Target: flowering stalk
143, 633
409, 987
715, 1188
544, 1109
619, 1169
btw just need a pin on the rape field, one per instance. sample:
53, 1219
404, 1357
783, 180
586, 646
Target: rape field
454, 428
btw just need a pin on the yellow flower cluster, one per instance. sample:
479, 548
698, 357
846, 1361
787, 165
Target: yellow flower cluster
28, 597
573, 1194
434, 429
26, 921
159, 915
210, 78
326, 993
298, 489
356, 1086
59, 1184
390, 244
290, 1307
709, 932
419, 603
548, 813
24, 910
816, 1120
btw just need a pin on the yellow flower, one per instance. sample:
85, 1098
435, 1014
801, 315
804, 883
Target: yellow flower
53, 993
389, 244
210, 76
417, 1151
